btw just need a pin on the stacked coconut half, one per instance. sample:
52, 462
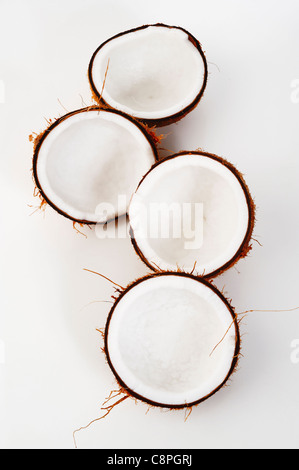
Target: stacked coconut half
171, 338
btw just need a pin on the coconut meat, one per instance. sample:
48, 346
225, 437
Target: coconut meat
90, 163
202, 197
151, 73
161, 336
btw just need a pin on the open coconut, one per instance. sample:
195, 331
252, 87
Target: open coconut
87, 164
192, 212
156, 73
171, 340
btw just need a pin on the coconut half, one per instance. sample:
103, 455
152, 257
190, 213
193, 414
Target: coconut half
157, 73
171, 340
192, 212
88, 163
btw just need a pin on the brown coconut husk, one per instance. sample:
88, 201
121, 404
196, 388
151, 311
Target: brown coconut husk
246, 245
159, 122
38, 139
105, 333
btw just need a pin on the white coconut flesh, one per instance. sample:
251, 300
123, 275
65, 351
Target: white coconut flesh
162, 336
189, 212
91, 162
152, 73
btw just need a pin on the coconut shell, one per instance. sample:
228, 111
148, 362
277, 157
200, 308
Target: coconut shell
159, 122
246, 244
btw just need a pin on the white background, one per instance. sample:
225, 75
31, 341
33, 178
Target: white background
54, 372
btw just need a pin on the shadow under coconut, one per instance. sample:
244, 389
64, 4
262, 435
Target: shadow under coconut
88, 297
175, 136
169, 141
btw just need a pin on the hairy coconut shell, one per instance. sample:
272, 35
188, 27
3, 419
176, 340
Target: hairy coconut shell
123, 386
246, 244
148, 133
158, 122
